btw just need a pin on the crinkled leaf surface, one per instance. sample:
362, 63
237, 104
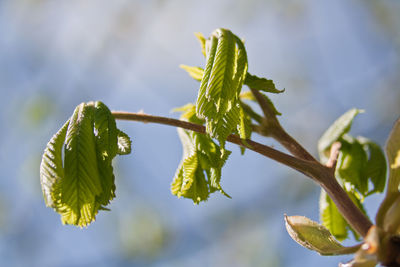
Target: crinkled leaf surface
199, 172
314, 236
51, 167
224, 74
83, 182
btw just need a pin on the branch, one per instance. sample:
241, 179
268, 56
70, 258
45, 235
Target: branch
322, 175
276, 131
288, 160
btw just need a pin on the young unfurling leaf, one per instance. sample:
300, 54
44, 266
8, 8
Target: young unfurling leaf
261, 84
83, 182
199, 172
340, 127
224, 74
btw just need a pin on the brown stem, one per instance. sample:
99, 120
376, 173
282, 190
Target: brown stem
267, 151
313, 169
345, 205
274, 129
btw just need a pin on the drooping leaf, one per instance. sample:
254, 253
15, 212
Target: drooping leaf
199, 172
331, 217
106, 149
194, 72
376, 165
51, 167
83, 182
261, 84
315, 237
340, 127
124, 143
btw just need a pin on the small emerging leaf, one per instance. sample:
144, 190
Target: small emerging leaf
194, 72
199, 172
314, 236
261, 84
341, 126
202, 41
124, 143
224, 74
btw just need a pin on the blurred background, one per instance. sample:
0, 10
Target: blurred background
330, 56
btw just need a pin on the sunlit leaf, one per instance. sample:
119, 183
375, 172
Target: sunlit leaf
199, 172
314, 236
51, 167
341, 126
124, 143
83, 182
202, 41
261, 84
194, 72
224, 74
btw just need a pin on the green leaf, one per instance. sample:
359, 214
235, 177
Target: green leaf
83, 182
202, 41
189, 113
224, 74
341, 126
352, 163
245, 127
199, 172
331, 218
194, 72
376, 166
106, 149
314, 236
51, 167
124, 143
261, 84
393, 154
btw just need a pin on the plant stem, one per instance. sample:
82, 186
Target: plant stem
321, 174
267, 151
273, 128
